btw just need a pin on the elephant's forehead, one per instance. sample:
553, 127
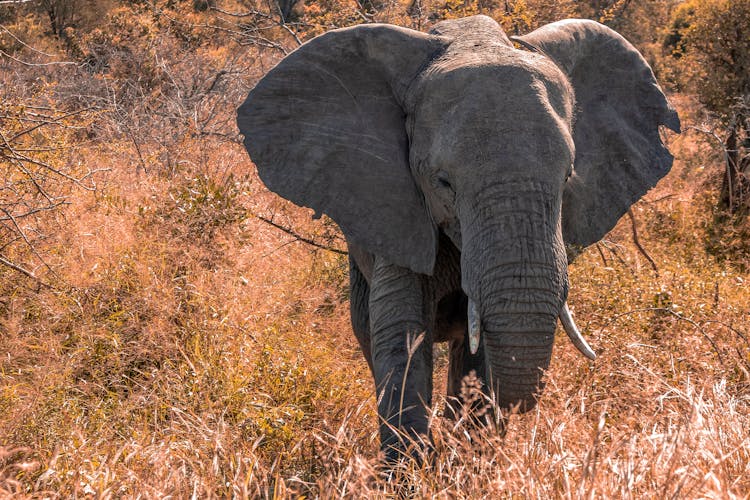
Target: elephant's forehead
500, 83
472, 29
510, 104
491, 63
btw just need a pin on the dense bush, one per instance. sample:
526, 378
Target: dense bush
183, 345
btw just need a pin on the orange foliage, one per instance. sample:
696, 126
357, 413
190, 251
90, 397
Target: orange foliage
186, 347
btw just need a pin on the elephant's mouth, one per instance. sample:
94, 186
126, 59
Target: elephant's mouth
566, 318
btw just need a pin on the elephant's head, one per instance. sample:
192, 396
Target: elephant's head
520, 156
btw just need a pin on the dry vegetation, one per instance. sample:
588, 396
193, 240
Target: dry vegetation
159, 338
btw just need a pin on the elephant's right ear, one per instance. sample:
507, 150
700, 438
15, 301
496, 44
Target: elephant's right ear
326, 130
619, 108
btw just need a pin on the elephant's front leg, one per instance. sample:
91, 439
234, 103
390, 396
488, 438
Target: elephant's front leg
401, 356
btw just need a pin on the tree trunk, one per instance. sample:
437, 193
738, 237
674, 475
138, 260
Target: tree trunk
734, 197
731, 186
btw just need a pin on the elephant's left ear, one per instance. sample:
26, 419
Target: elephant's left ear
326, 129
619, 108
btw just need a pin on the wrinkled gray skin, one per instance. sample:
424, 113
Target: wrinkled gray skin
459, 167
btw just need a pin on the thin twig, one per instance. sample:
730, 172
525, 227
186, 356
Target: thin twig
282, 24
9, 243
255, 40
638, 243
26, 63
660, 199
676, 315
730, 328
35, 210
601, 254
609, 246
23, 271
18, 158
299, 237
52, 121
20, 232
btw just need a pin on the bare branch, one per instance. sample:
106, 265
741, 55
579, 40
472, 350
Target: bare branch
35, 181
243, 36
299, 237
675, 314
14, 37
638, 243
26, 63
611, 247
23, 271
601, 254
50, 121
35, 210
25, 238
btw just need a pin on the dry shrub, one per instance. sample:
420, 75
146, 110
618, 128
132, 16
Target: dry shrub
189, 348
199, 351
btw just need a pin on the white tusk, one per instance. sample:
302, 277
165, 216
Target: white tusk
474, 327
574, 334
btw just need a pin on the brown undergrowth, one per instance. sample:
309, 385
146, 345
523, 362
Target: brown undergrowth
190, 349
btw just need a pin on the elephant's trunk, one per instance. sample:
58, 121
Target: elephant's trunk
518, 330
514, 271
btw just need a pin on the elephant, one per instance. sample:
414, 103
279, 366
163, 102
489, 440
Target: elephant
466, 173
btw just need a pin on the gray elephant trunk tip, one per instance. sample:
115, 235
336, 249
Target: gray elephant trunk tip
566, 318
474, 327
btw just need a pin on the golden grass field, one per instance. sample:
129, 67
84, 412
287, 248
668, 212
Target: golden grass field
197, 351
188, 349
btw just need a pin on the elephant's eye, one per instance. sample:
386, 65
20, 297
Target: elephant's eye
444, 182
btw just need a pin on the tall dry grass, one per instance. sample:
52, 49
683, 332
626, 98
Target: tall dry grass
190, 349
194, 350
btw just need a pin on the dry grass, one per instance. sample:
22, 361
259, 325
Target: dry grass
189, 349
195, 350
